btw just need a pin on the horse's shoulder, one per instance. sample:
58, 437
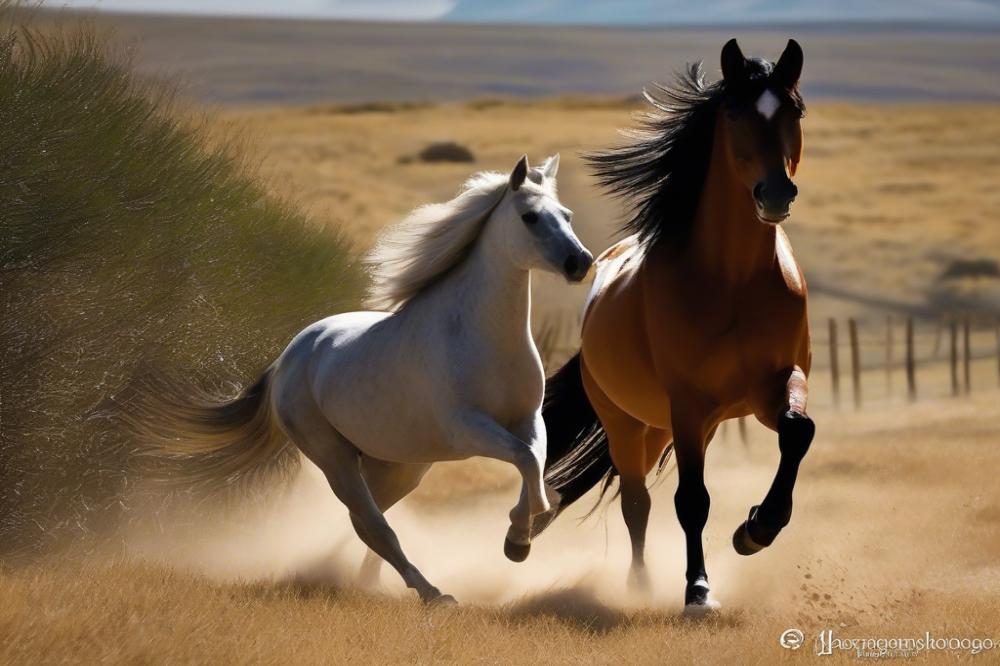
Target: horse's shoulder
611, 264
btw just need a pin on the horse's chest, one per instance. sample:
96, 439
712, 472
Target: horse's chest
508, 385
722, 345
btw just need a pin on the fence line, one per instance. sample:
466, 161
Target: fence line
954, 346
961, 355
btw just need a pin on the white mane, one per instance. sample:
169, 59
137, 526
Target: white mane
430, 241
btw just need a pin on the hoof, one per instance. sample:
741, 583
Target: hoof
543, 520
701, 610
442, 600
743, 543
516, 552
638, 581
752, 536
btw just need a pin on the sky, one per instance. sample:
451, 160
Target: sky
396, 10
623, 12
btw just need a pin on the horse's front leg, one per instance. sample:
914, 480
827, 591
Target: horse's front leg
692, 503
479, 434
786, 414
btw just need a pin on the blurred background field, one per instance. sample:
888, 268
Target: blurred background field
195, 234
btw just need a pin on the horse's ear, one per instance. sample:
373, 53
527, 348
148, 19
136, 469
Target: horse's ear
519, 173
734, 64
789, 68
551, 167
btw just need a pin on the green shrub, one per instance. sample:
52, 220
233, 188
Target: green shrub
130, 240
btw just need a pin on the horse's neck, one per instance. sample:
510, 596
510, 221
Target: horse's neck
493, 295
727, 240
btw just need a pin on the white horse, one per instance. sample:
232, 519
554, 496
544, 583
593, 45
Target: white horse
445, 370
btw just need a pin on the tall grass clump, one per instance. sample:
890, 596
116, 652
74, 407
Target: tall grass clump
130, 240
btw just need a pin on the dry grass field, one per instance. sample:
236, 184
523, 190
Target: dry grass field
896, 529
896, 533
892, 194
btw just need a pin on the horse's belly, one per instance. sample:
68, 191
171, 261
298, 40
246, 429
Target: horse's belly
371, 391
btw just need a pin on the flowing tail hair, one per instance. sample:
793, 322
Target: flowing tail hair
194, 438
578, 455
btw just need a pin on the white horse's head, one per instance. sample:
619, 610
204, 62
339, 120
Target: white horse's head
536, 226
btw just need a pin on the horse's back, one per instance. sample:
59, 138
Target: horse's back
319, 341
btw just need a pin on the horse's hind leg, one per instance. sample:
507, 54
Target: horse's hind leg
784, 412
635, 449
341, 463
388, 483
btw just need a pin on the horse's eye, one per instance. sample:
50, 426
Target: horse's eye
530, 217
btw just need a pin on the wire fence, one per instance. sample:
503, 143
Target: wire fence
902, 358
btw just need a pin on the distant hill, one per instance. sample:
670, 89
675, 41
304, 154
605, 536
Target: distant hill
710, 12
241, 61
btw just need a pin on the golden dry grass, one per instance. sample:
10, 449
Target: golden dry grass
895, 533
890, 194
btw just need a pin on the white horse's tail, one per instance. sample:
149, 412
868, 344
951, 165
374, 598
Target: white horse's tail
189, 437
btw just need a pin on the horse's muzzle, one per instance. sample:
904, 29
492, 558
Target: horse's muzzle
773, 198
577, 265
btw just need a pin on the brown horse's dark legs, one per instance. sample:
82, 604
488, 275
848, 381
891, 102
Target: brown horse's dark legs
635, 511
692, 503
795, 434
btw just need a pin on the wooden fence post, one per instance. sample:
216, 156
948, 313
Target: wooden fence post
954, 356
998, 352
888, 356
834, 362
852, 329
911, 375
967, 353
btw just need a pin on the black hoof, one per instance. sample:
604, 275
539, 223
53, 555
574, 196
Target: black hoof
442, 600
516, 552
743, 543
753, 536
697, 602
696, 593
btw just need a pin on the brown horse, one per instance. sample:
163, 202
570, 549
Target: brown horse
700, 315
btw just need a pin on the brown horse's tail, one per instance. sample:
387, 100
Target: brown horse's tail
578, 457
189, 437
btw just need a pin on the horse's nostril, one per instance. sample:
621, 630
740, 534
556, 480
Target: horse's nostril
571, 265
758, 191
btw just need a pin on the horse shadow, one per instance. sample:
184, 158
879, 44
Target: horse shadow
582, 608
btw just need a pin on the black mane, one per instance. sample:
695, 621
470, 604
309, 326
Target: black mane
661, 172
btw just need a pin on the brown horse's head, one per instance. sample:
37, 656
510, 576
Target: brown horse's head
760, 127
